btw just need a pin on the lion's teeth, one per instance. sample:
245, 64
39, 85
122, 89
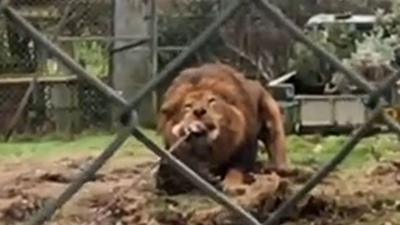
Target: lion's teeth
213, 134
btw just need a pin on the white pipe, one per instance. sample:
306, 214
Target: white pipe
282, 78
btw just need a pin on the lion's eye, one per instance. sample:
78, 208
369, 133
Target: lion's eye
188, 106
211, 100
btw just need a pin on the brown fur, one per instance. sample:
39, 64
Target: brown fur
239, 110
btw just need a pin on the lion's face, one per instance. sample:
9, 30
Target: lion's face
205, 113
201, 112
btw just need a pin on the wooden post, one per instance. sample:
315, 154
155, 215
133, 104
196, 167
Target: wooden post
64, 98
21, 108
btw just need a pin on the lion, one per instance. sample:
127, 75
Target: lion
231, 113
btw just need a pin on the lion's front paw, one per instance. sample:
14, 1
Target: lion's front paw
280, 169
233, 183
234, 189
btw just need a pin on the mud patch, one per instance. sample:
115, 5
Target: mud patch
128, 196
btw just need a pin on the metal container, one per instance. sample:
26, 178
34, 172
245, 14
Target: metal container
330, 111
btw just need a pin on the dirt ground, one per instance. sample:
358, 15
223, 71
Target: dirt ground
124, 193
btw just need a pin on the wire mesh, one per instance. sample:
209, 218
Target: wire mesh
83, 29
31, 32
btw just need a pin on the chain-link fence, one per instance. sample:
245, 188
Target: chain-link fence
88, 32
59, 101
272, 13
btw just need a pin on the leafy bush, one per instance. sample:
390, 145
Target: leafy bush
303, 59
374, 50
94, 56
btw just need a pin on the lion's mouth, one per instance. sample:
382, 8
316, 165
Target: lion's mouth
197, 128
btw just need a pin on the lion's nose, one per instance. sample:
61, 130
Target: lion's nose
199, 111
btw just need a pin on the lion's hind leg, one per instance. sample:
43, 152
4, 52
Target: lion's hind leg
272, 133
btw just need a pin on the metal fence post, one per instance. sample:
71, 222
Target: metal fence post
194, 46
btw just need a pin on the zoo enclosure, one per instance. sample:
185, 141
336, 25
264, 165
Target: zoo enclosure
101, 45
60, 101
88, 32
130, 126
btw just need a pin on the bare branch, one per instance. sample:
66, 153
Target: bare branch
256, 64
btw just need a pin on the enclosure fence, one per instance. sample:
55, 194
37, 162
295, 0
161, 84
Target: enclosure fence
375, 102
59, 100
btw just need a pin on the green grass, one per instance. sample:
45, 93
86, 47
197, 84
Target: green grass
314, 150
306, 150
91, 144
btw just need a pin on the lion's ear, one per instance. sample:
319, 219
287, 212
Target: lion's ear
168, 108
165, 109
